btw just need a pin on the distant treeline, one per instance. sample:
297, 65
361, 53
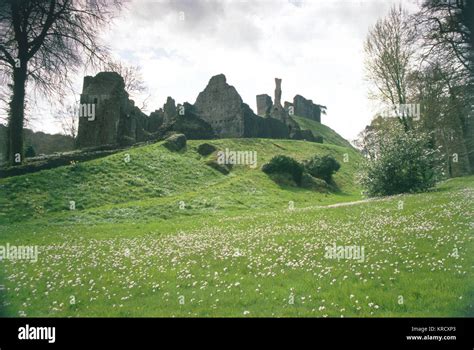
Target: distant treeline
38, 142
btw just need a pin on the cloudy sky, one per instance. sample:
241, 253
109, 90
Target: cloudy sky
315, 46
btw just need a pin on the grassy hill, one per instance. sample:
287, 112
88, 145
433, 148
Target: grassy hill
155, 180
328, 134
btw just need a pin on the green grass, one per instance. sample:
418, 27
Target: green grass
328, 134
153, 183
235, 249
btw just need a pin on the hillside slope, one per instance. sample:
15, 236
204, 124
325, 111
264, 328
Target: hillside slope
328, 134
155, 180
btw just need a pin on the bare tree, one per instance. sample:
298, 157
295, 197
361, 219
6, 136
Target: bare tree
132, 76
133, 79
447, 29
365, 142
68, 118
4, 92
44, 42
389, 50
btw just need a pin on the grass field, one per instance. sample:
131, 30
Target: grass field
328, 134
166, 235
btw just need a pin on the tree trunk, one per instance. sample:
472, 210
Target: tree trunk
16, 116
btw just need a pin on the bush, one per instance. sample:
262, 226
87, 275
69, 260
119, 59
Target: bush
405, 162
175, 142
322, 167
285, 165
30, 152
205, 149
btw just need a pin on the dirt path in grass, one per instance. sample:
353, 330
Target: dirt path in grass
346, 204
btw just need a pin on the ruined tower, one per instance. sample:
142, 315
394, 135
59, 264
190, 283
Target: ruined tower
277, 92
277, 110
264, 105
220, 105
306, 108
116, 119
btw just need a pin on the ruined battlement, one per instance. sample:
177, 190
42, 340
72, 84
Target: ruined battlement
218, 112
306, 108
300, 106
264, 105
113, 109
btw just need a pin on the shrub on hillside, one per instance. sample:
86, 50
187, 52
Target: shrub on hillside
175, 142
405, 162
30, 152
322, 167
285, 165
205, 149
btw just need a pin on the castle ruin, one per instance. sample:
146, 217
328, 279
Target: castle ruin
218, 112
116, 121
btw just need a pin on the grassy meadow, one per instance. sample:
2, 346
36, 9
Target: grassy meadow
157, 233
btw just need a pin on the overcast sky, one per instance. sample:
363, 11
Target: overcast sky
315, 46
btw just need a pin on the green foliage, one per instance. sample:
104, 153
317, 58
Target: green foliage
41, 142
205, 149
30, 152
285, 165
405, 162
322, 167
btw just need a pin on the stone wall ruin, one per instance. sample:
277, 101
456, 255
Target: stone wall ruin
218, 112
